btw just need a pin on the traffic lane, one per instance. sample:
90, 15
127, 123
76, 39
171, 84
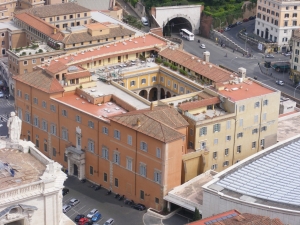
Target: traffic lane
108, 206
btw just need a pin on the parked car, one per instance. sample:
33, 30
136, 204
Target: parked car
98, 187
227, 29
139, 206
269, 56
280, 82
245, 20
92, 213
221, 31
66, 208
252, 17
83, 221
74, 201
78, 217
1, 94
287, 53
233, 25
65, 191
239, 22
109, 222
97, 216
202, 46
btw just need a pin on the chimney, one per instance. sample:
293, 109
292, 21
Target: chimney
138, 122
242, 73
151, 106
206, 55
54, 31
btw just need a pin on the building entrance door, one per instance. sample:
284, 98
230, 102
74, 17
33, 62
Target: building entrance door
75, 171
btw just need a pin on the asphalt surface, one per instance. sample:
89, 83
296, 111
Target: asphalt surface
234, 60
6, 106
110, 207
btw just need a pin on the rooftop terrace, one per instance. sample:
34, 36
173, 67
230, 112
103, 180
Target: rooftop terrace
27, 168
32, 49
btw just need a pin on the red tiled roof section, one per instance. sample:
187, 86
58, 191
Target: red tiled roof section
80, 74
56, 67
160, 123
40, 80
40, 25
199, 103
185, 59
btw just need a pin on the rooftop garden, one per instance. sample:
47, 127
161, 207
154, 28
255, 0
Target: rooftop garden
33, 48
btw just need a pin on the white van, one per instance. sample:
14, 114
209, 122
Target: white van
144, 21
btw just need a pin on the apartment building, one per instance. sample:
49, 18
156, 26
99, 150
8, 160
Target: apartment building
295, 62
276, 19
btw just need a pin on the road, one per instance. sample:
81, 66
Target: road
109, 207
6, 106
235, 60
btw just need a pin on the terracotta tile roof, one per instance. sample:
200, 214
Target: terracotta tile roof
85, 36
79, 74
40, 80
190, 61
96, 26
237, 219
199, 103
160, 123
56, 67
40, 25
55, 10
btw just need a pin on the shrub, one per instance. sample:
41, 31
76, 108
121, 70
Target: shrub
166, 64
40, 50
183, 72
158, 60
173, 67
23, 53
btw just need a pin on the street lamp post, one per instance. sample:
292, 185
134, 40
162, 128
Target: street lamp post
295, 90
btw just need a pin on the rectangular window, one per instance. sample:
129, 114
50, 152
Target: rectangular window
157, 176
91, 146
91, 170
162, 79
116, 182
54, 152
104, 152
215, 141
264, 128
45, 146
44, 104
191, 132
64, 134
242, 108
153, 79
27, 117
228, 138
143, 170
105, 177
226, 163
65, 158
129, 139
144, 146
215, 155
262, 142
217, 127
175, 86
254, 144
156, 200
91, 124
266, 102
35, 121
239, 135
239, 149
104, 130
52, 108
203, 145
129, 163
78, 119
158, 152
143, 81
37, 143
256, 105
241, 122
19, 93
264, 116
26, 97
214, 166
226, 151
256, 119
44, 125
142, 194
117, 134
132, 83
116, 158
254, 131
35, 101
64, 113
203, 131
228, 124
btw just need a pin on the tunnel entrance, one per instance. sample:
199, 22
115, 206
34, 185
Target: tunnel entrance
174, 26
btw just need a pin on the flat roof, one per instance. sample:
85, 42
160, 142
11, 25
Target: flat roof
27, 168
288, 126
269, 177
9, 25
244, 90
108, 50
102, 17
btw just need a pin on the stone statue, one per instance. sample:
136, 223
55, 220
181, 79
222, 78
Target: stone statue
14, 125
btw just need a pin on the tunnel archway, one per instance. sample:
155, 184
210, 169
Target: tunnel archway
174, 25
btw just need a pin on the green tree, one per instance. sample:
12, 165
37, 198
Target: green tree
197, 215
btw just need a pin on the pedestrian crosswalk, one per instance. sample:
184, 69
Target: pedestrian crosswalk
4, 103
3, 118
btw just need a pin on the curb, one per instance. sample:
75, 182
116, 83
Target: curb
161, 216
